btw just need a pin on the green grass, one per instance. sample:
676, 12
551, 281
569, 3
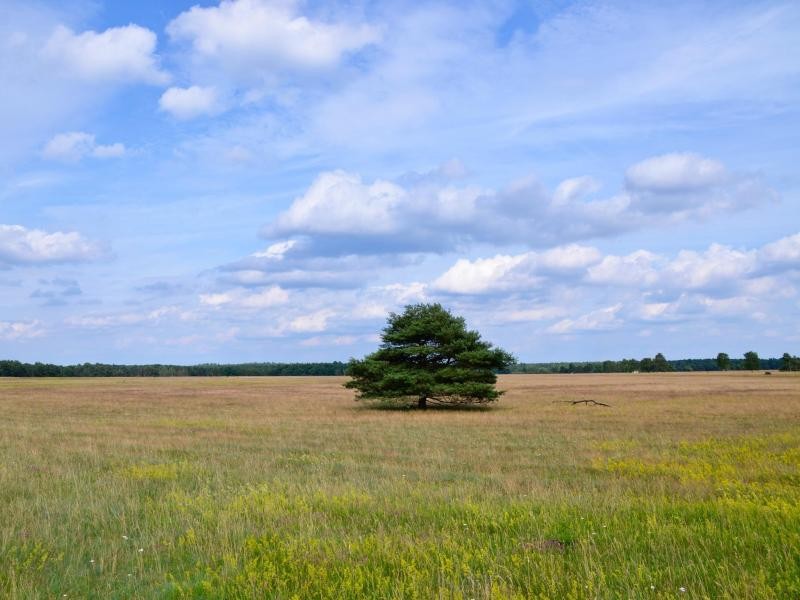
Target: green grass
285, 488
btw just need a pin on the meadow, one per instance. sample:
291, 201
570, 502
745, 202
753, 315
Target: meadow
687, 486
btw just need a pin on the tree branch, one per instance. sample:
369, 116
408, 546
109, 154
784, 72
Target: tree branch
586, 402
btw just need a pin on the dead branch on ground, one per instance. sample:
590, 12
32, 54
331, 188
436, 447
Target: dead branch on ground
586, 402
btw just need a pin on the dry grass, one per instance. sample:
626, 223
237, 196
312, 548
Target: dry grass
283, 487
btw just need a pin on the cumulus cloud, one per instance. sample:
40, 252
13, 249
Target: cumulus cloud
598, 320
403, 293
679, 186
276, 251
121, 54
482, 275
156, 315
340, 203
543, 313
676, 173
717, 266
690, 306
523, 271
15, 330
75, 145
257, 37
191, 102
310, 323
293, 264
337, 340
19, 245
242, 298
782, 253
340, 213
575, 188
719, 269
636, 268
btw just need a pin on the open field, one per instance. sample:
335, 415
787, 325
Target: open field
284, 487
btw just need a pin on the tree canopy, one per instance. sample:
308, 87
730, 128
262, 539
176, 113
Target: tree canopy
790, 363
751, 361
428, 355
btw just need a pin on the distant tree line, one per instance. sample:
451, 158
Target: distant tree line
656, 364
659, 364
790, 363
14, 368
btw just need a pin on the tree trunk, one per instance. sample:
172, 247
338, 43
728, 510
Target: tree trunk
423, 401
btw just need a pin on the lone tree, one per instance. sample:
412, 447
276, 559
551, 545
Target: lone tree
723, 361
751, 361
661, 365
428, 355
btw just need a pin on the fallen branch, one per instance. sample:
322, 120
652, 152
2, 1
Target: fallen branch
586, 402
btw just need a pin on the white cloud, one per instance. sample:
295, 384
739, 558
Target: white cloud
310, 323
597, 320
518, 272
124, 54
130, 318
252, 38
403, 293
15, 330
717, 269
718, 265
479, 276
19, 245
272, 296
191, 102
75, 145
567, 258
114, 150
369, 310
216, 299
277, 250
247, 277
291, 263
338, 202
339, 340
341, 214
544, 313
574, 189
676, 173
636, 268
655, 310
241, 298
693, 306
785, 251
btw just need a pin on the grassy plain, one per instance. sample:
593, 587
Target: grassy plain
286, 488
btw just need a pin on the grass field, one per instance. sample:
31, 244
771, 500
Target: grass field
687, 486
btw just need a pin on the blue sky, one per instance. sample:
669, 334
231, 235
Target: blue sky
266, 179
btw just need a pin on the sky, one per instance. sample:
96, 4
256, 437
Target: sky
265, 180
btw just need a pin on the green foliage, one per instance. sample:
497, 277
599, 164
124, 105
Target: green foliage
657, 364
790, 363
14, 368
660, 364
723, 361
629, 365
751, 361
428, 354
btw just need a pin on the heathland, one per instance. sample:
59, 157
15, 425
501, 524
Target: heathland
687, 485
